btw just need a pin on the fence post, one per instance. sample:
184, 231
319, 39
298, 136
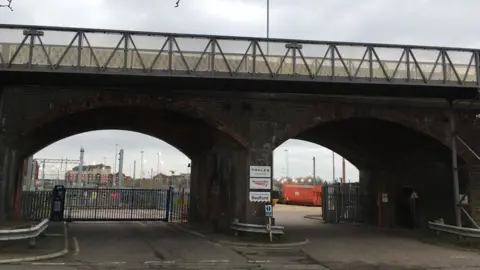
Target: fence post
168, 203
182, 198
132, 192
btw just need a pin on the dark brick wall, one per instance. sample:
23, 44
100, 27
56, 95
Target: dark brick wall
404, 145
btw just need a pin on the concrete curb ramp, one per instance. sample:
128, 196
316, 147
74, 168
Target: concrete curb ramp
241, 244
42, 257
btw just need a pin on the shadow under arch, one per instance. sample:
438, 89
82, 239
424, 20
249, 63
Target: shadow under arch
189, 135
391, 157
372, 142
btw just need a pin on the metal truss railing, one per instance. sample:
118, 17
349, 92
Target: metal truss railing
67, 50
439, 226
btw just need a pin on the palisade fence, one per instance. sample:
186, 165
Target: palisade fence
49, 184
91, 204
36, 205
341, 203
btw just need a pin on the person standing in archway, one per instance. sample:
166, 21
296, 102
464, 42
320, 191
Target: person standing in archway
413, 208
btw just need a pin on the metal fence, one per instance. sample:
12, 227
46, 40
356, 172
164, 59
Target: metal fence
92, 204
36, 205
340, 203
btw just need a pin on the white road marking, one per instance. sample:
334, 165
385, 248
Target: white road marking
259, 261
214, 261
142, 224
158, 262
459, 257
47, 263
76, 245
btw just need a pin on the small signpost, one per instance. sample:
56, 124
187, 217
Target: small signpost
269, 214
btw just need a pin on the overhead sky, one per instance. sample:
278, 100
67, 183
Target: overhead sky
426, 22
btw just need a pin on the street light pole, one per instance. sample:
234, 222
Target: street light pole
333, 165
141, 164
286, 163
314, 176
268, 26
158, 162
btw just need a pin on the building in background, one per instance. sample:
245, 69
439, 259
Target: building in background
30, 173
91, 174
164, 181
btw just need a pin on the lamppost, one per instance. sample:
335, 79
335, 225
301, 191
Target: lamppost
158, 162
314, 173
268, 26
333, 165
189, 172
141, 164
286, 163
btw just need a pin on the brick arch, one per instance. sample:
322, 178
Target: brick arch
430, 122
97, 100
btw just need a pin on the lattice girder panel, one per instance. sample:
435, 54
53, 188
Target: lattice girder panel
460, 66
148, 53
107, 50
89, 50
234, 56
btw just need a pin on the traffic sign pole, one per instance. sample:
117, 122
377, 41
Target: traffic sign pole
269, 228
268, 213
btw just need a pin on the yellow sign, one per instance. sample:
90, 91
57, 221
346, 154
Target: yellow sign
274, 202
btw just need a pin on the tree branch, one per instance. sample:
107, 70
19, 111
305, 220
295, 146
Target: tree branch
8, 5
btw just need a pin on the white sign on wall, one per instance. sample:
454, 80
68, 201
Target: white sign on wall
260, 183
385, 197
261, 171
259, 196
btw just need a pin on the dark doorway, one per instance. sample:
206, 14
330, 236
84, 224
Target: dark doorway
405, 208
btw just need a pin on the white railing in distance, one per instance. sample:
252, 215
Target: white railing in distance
27, 233
463, 231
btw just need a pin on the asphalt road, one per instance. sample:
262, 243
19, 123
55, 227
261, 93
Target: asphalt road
141, 243
156, 245
145, 245
353, 246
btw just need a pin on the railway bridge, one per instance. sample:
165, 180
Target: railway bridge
403, 115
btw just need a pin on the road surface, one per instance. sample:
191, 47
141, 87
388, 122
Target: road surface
348, 246
145, 245
156, 245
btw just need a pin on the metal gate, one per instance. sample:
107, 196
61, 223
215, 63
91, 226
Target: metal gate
340, 203
93, 204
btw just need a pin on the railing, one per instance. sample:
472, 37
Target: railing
67, 50
28, 233
36, 205
439, 226
255, 228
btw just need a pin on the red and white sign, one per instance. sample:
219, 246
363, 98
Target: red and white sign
260, 183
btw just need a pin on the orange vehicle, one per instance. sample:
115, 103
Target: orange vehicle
302, 194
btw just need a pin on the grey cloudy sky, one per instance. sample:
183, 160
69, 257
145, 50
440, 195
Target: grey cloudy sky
429, 22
